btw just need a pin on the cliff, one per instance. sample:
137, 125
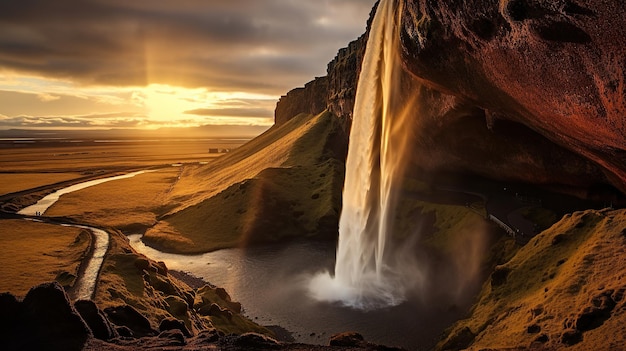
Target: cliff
522, 91
334, 92
555, 67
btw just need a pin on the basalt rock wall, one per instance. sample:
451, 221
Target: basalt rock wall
336, 91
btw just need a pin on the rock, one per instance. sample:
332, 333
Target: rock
124, 332
174, 324
175, 337
176, 306
350, 339
206, 336
9, 309
460, 340
499, 276
254, 341
550, 65
127, 316
47, 320
571, 337
310, 99
95, 319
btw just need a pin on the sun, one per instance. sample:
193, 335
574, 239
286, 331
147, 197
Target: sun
166, 104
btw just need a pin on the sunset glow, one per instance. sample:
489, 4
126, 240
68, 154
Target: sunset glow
151, 64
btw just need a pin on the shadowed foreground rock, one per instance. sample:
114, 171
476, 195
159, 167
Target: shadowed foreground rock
44, 320
47, 320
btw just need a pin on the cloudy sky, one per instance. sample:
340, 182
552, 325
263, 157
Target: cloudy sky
151, 63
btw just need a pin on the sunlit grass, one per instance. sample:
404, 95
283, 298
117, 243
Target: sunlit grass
32, 253
551, 281
13, 182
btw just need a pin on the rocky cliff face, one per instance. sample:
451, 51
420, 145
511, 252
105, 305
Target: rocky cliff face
556, 67
519, 90
335, 92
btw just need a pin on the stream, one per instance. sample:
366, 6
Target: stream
42, 205
86, 281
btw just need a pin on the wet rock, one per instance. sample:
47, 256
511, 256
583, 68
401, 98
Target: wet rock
127, 316
346, 339
95, 319
174, 324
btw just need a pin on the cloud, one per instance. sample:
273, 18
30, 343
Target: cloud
44, 97
265, 46
233, 112
111, 120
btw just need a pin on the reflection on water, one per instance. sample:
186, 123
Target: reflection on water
271, 283
86, 282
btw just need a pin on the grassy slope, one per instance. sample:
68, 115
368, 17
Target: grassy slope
285, 183
566, 286
33, 253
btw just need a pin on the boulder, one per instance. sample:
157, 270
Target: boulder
95, 319
174, 324
552, 66
129, 317
47, 320
348, 339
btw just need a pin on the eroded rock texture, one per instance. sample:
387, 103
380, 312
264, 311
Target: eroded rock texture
530, 91
557, 67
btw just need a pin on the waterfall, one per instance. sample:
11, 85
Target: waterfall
371, 271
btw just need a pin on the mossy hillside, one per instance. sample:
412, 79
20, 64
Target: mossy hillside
547, 294
128, 278
298, 198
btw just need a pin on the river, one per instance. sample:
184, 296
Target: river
42, 205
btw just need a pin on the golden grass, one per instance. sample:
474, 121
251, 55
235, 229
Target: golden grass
33, 253
285, 183
538, 295
13, 182
132, 203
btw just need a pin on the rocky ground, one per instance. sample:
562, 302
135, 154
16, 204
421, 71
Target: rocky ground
46, 320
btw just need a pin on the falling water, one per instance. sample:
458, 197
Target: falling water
370, 271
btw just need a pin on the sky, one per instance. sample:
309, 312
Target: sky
155, 63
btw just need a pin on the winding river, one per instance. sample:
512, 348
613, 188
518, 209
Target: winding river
86, 281
42, 205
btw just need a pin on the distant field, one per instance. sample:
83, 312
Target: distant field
33, 253
12, 182
85, 156
126, 204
